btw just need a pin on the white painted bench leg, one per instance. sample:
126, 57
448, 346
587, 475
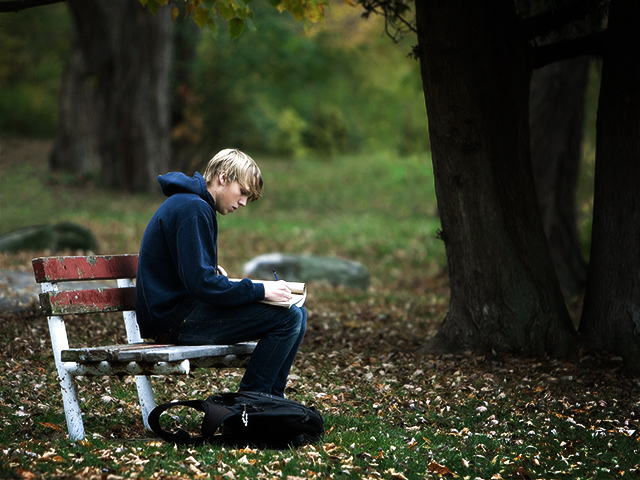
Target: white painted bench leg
145, 394
71, 406
68, 385
143, 383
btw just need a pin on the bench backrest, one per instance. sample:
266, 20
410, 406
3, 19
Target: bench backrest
54, 270
94, 293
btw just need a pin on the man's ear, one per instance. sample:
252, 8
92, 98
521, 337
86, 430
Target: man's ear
223, 178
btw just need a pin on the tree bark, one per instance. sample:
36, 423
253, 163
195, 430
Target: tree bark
611, 312
115, 105
557, 121
505, 296
76, 149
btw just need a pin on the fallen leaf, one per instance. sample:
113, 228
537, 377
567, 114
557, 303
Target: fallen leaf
52, 426
395, 475
440, 469
25, 474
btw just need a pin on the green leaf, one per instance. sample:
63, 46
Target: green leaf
236, 26
243, 12
227, 8
175, 13
201, 16
153, 6
249, 24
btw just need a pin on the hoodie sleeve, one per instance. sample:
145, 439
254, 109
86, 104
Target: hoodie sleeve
195, 240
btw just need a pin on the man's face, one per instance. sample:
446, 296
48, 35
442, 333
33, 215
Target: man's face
230, 197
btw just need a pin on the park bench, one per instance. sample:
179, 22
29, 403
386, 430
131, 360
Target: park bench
75, 286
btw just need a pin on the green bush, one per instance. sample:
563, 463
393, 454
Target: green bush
290, 130
27, 110
337, 89
328, 132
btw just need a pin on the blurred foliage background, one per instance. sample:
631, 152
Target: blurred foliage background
276, 90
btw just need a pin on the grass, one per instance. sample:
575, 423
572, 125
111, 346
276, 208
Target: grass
390, 413
369, 208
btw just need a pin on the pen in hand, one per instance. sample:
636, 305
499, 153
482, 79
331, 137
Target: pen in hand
275, 275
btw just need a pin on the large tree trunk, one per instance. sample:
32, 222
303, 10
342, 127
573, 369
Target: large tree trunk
557, 122
611, 313
505, 296
115, 103
76, 148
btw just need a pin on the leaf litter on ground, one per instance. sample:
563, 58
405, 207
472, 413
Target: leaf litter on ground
391, 413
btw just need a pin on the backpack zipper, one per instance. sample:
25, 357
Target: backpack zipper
245, 416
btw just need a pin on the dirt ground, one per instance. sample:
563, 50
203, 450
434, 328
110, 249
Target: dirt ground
15, 151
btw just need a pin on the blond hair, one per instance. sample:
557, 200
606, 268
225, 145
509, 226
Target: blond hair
239, 167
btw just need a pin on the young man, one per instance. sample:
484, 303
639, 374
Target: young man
184, 297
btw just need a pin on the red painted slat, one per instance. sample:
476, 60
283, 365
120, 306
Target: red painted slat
95, 267
88, 301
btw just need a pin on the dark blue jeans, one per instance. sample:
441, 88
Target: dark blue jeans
279, 330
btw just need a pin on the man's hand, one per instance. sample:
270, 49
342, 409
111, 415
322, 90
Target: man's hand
222, 271
277, 291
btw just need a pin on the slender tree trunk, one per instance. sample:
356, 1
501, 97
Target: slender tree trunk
557, 122
115, 106
505, 296
611, 313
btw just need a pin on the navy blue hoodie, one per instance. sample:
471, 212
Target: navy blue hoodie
177, 265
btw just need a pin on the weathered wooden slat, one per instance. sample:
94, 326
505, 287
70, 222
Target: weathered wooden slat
85, 355
186, 352
103, 368
95, 267
150, 353
68, 302
103, 353
100, 369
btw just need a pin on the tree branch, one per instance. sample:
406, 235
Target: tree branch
17, 5
554, 52
393, 11
543, 23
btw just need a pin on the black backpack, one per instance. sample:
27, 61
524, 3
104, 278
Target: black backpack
246, 419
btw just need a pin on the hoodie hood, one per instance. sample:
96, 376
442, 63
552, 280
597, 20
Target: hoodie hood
174, 183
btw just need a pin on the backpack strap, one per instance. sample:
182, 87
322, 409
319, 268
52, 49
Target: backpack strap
214, 416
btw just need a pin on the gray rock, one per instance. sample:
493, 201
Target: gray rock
308, 268
17, 290
56, 238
